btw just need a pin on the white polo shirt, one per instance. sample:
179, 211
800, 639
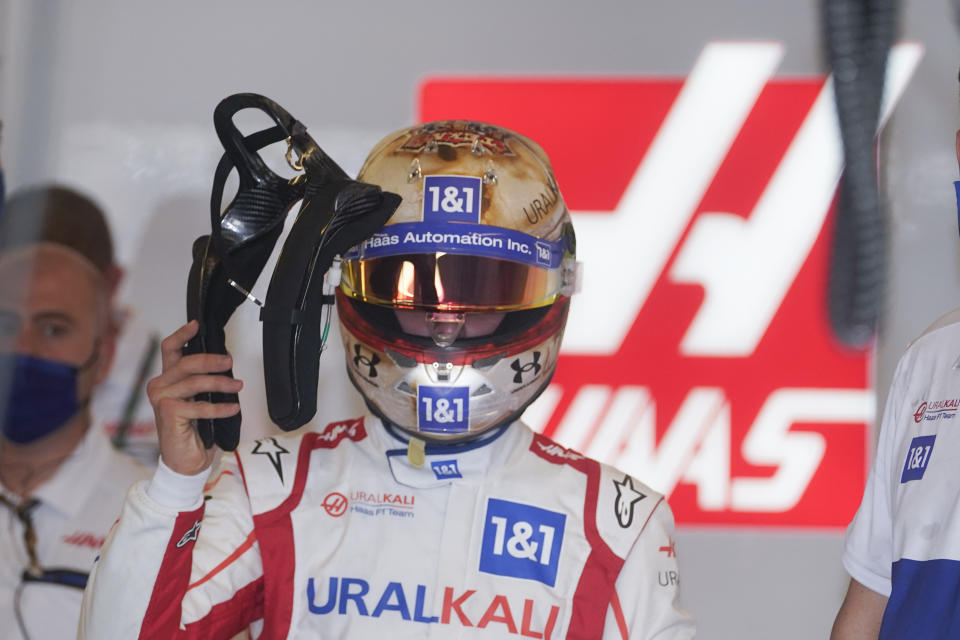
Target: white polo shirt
77, 508
904, 542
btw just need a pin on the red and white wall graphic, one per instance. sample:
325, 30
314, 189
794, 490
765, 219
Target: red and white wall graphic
698, 356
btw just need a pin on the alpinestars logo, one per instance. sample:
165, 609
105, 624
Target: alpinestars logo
190, 535
627, 496
697, 356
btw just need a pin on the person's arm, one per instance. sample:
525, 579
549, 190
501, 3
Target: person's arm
155, 575
648, 586
169, 571
860, 614
868, 547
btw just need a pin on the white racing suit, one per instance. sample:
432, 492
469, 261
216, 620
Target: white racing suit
337, 534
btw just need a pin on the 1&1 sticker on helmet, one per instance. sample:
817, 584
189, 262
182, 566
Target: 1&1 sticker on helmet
443, 409
451, 199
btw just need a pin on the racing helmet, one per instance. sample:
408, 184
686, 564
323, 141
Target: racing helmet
452, 314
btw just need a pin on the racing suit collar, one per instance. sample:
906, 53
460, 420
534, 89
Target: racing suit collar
446, 463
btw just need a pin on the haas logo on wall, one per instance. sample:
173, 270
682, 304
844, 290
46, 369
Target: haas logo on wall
698, 355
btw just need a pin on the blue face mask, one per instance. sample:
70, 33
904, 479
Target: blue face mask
956, 188
42, 395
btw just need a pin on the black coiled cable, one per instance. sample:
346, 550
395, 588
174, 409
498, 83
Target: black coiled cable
858, 35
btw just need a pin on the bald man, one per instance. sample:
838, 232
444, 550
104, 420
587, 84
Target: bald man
67, 217
61, 483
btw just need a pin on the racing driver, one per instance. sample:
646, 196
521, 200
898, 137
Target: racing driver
438, 514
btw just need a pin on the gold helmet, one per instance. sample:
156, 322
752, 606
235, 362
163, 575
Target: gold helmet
452, 314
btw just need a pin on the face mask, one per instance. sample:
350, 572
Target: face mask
956, 188
42, 395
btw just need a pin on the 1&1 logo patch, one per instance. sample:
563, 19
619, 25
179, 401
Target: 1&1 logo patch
445, 469
451, 199
521, 541
918, 455
443, 409
544, 254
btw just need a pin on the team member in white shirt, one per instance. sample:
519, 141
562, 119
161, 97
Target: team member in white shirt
61, 484
903, 547
438, 514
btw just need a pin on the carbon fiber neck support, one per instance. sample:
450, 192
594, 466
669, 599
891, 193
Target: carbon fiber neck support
336, 213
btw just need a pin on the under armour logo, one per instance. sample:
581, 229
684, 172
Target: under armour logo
360, 359
523, 368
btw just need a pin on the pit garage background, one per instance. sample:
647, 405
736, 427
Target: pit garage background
695, 143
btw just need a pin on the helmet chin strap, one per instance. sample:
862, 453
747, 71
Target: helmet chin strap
417, 451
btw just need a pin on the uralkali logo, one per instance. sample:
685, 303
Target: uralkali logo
698, 356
